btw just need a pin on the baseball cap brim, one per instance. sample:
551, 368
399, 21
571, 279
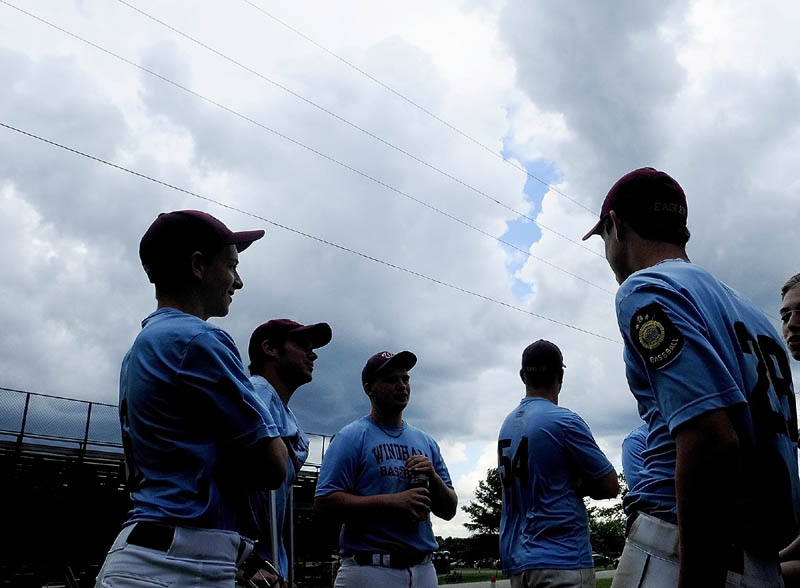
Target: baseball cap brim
404, 360
319, 334
595, 230
243, 239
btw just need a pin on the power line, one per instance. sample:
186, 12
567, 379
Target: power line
304, 234
420, 107
311, 149
353, 125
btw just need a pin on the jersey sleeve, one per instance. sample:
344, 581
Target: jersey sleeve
439, 465
212, 372
666, 342
340, 465
633, 447
582, 448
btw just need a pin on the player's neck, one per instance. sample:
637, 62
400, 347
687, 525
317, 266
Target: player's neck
386, 419
283, 389
188, 304
647, 253
550, 394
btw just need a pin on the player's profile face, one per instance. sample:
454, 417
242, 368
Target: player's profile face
220, 281
296, 361
790, 321
391, 390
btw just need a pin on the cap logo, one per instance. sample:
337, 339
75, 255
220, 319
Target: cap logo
386, 355
669, 207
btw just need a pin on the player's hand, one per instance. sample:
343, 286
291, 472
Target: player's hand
261, 579
414, 502
420, 464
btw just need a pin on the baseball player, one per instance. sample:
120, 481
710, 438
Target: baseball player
719, 494
191, 425
633, 447
790, 322
790, 315
281, 360
383, 477
548, 460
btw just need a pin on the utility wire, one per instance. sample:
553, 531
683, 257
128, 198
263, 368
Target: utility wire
353, 125
311, 149
418, 106
304, 234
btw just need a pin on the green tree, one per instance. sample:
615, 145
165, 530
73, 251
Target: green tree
484, 511
607, 525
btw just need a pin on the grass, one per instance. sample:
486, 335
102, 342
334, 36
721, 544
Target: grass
461, 575
472, 575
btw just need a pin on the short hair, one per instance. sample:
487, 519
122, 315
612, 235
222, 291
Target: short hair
542, 379
173, 274
792, 282
669, 234
260, 359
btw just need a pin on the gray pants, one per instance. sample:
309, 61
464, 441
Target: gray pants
352, 575
651, 559
583, 578
197, 557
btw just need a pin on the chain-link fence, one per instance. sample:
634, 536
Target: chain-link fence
61, 422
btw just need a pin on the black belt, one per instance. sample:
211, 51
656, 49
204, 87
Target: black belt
152, 535
159, 536
400, 560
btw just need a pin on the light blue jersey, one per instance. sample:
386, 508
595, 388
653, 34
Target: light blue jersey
291, 431
693, 345
633, 447
544, 452
187, 411
365, 459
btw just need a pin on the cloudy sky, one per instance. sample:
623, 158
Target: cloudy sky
400, 229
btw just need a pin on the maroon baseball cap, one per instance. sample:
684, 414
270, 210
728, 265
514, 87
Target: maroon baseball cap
645, 197
278, 330
380, 361
542, 356
182, 232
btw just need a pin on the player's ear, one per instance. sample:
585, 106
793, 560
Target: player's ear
198, 262
618, 224
366, 388
522, 376
269, 348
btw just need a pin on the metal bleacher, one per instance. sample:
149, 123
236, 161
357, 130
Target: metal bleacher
62, 492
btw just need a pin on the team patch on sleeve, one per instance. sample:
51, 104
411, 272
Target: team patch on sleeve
656, 339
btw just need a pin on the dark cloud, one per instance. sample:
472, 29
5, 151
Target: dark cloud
610, 70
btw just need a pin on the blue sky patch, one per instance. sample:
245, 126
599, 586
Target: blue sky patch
522, 232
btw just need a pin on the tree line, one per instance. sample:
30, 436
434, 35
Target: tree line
606, 524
